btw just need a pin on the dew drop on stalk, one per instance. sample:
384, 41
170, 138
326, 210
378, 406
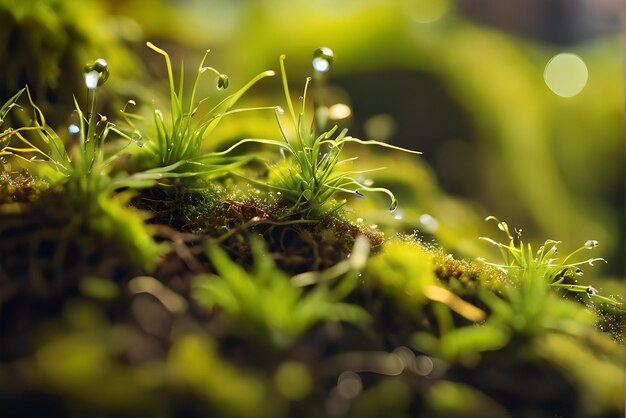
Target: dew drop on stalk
591, 291
359, 194
137, 138
280, 110
394, 205
592, 243
222, 82
96, 73
322, 59
579, 272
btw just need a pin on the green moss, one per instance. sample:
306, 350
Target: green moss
20, 187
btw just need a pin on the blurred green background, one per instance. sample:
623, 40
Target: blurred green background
468, 83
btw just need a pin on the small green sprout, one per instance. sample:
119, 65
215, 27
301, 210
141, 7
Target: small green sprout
308, 178
86, 174
267, 305
520, 261
176, 147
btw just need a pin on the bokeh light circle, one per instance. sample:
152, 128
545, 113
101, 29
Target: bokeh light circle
566, 74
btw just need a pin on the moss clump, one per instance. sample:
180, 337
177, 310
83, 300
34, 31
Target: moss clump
20, 187
230, 215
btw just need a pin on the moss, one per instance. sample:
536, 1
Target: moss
20, 187
229, 215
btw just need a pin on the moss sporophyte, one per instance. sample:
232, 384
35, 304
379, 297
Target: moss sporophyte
88, 177
520, 261
175, 145
308, 176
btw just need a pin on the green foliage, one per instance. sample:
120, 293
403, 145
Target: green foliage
309, 178
176, 145
520, 260
85, 173
265, 305
524, 306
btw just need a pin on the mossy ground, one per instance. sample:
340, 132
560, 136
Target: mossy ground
149, 348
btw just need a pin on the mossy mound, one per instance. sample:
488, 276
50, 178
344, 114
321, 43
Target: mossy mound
385, 327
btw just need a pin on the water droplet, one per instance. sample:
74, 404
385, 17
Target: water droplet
592, 243
374, 226
591, 291
579, 272
322, 59
359, 194
394, 205
359, 220
301, 98
101, 128
137, 138
73, 129
222, 82
96, 73
280, 110
91, 79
